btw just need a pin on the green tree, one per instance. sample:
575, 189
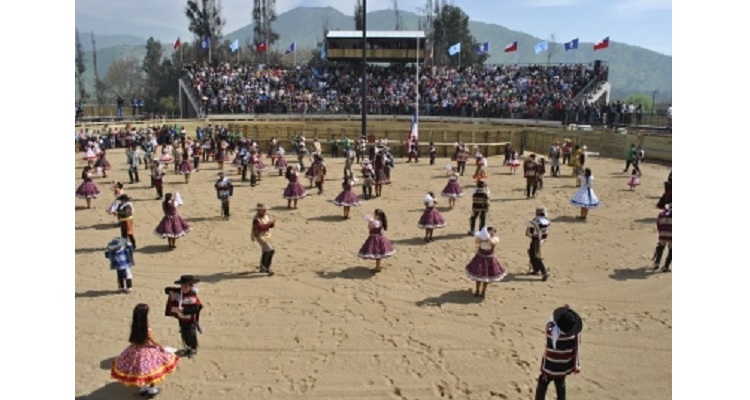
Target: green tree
125, 77
205, 20
152, 69
80, 69
451, 26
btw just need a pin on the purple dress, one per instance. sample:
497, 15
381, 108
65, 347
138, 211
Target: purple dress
281, 163
294, 189
347, 198
172, 225
87, 189
485, 267
431, 219
376, 246
186, 167
452, 189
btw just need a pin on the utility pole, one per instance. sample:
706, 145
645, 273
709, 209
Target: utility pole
364, 67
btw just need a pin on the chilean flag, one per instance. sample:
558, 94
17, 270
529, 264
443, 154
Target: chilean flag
511, 47
262, 47
602, 45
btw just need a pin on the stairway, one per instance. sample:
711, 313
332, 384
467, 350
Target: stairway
188, 92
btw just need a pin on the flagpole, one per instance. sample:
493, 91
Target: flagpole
294, 51
416, 102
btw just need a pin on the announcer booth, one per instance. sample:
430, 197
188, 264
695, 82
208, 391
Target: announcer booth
382, 46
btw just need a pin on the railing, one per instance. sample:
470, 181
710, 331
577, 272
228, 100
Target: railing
190, 94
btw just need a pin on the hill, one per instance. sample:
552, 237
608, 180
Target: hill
633, 70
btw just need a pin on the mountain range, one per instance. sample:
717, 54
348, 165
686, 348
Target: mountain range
633, 69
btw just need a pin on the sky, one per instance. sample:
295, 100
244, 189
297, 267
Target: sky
642, 23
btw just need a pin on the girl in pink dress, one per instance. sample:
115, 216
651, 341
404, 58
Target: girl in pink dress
377, 246
87, 190
144, 362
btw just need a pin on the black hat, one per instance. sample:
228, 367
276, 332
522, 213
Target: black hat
568, 320
187, 279
124, 197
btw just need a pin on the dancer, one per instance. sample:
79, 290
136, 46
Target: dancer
666, 197
567, 151
538, 229
530, 172
347, 198
157, 178
432, 150
119, 189
120, 255
431, 218
561, 358
262, 225
577, 161
485, 267
513, 162
102, 165
368, 179
481, 172
197, 153
377, 246
224, 191
87, 190
480, 204
462, 154
664, 227
166, 154
452, 189
90, 155
125, 218
319, 170
294, 190
172, 226
541, 170
221, 154
144, 362
186, 166
554, 156
134, 161
183, 303
585, 198
280, 163
634, 180
380, 176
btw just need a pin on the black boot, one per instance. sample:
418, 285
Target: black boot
264, 261
269, 259
225, 210
668, 262
657, 255
128, 285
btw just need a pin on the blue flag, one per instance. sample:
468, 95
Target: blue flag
572, 45
235, 45
541, 46
206, 43
292, 48
483, 48
323, 54
454, 49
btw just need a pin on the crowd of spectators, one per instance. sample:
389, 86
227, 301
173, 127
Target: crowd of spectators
496, 91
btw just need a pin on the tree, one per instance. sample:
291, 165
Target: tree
205, 20
125, 77
452, 26
152, 69
80, 69
99, 86
264, 14
359, 21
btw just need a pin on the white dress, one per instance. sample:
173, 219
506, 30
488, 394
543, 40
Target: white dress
585, 196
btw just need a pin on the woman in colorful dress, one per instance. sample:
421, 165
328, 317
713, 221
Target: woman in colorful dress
431, 218
280, 162
87, 190
172, 226
585, 198
294, 190
377, 246
144, 363
186, 166
481, 171
485, 267
90, 155
347, 198
166, 154
101, 164
452, 190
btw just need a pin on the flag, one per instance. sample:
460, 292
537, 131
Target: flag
602, 45
177, 43
235, 45
262, 47
511, 47
541, 46
292, 48
572, 45
206, 43
454, 49
323, 54
483, 48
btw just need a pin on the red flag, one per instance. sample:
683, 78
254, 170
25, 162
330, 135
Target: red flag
511, 47
177, 43
262, 47
602, 45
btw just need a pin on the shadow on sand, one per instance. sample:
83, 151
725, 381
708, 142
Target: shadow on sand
454, 297
356, 272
